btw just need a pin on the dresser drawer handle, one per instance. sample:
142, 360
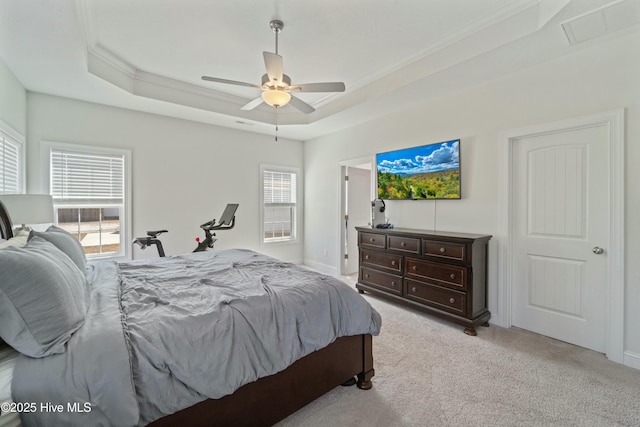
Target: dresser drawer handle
452, 300
415, 268
442, 250
366, 257
453, 276
403, 244
366, 275
413, 289
393, 284
372, 240
393, 262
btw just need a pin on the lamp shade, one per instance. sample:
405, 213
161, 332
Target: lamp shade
276, 97
29, 208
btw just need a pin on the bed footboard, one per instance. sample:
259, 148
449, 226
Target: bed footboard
271, 399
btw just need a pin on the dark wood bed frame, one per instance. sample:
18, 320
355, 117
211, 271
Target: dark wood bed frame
273, 398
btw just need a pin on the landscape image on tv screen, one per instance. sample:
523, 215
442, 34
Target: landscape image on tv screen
425, 172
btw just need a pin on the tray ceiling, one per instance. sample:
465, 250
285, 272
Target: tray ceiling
149, 55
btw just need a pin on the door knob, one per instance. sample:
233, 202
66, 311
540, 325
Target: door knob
598, 250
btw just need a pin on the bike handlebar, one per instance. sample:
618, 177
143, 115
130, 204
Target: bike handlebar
208, 225
211, 225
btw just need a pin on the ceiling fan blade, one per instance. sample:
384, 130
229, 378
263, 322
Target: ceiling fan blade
273, 63
319, 87
229, 82
253, 104
300, 105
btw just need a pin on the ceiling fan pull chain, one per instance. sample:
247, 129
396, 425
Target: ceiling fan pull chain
276, 122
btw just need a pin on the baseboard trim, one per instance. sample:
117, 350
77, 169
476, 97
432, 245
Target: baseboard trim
631, 360
322, 268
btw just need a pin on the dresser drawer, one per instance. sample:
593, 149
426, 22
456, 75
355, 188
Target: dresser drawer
388, 282
438, 274
435, 296
404, 244
381, 259
456, 251
373, 240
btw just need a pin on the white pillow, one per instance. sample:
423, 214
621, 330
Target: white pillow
19, 241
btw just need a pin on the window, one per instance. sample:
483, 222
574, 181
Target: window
90, 191
279, 209
11, 161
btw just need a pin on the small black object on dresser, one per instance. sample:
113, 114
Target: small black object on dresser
441, 273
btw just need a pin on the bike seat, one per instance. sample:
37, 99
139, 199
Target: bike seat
156, 233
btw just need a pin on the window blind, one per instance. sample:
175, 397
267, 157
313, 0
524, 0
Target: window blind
9, 165
279, 188
86, 178
279, 210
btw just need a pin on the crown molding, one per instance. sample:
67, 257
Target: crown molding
521, 18
110, 67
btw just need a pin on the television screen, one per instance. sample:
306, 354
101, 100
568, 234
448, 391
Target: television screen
425, 172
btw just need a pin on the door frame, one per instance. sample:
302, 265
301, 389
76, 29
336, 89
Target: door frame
614, 120
342, 166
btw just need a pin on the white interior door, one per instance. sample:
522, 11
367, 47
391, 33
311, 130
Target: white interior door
358, 212
560, 235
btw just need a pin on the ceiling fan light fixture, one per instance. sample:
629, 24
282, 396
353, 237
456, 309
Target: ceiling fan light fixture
276, 85
276, 97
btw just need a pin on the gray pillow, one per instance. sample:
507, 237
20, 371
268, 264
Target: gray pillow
65, 242
43, 298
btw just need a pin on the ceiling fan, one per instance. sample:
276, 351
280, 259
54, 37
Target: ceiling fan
276, 86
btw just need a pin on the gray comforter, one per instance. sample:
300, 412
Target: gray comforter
164, 334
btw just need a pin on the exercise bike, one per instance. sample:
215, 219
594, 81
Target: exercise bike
227, 222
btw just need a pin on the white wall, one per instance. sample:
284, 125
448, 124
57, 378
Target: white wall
13, 100
589, 80
184, 173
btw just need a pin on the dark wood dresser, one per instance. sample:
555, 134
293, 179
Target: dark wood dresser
442, 273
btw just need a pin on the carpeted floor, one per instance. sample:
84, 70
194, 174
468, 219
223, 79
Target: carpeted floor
429, 373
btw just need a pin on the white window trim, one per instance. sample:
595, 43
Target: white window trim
19, 138
45, 167
299, 186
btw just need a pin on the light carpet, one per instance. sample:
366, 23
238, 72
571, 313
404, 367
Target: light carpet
429, 373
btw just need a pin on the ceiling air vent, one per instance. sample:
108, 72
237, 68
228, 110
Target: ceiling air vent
604, 20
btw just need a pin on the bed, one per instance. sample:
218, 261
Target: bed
162, 376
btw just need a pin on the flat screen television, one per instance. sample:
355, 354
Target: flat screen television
420, 173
